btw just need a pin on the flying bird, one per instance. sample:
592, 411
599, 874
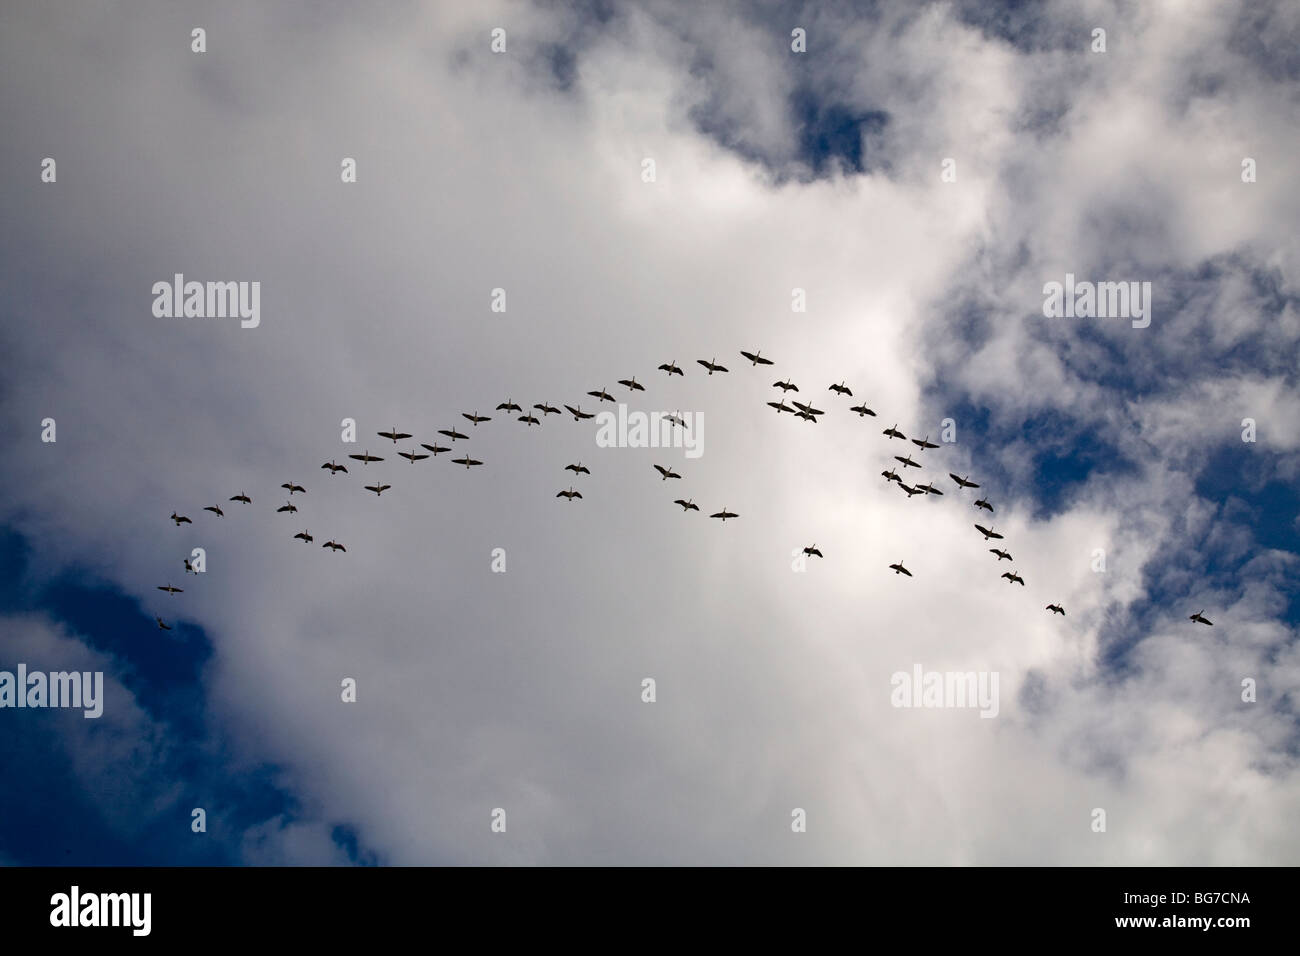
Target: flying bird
909, 489
161, 625
812, 551
1001, 554
467, 462
676, 419
602, 395
305, 537
893, 432
335, 469
1055, 609
367, 458
289, 506
806, 416
983, 503
180, 519
530, 420
546, 409
1013, 578
724, 514
671, 368
687, 505
394, 434
712, 365
452, 433
570, 494
666, 472
962, 482
189, 568
170, 590
412, 456
841, 389
292, 487
215, 510
632, 384
242, 497
907, 462
930, 489
786, 386
862, 410
756, 357
579, 414
435, 449
333, 546
899, 569
890, 476
808, 408
578, 469
476, 417
987, 532
1199, 618
378, 489
781, 407
509, 406
924, 442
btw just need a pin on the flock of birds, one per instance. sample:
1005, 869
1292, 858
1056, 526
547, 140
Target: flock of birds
805, 411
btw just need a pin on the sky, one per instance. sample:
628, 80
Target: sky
912, 175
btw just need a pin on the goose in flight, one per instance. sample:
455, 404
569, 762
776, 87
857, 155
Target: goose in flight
394, 434
180, 519
434, 449
841, 389
412, 456
893, 432
289, 506
546, 409
808, 408
578, 469
335, 469
509, 406
671, 368
304, 536
452, 433
890, 476
161, 625
666, 472
899, 569
476, 417
467, 462
242, 497
333, 546
907, 462
215, 510
579, 414
602, 395
924, 442
756, 358
909, 489
687, 505
930, 489
1055, 609
1199, 618
676, 419
529, 420
724, 514
570, 494
366, 458
1013, 578
962, 482
1001, 554
292, 488
786, 386
862, 410
781, 407
189, 568
983, 503
378, 489
806, 416
631, 384
812, 551
712, 365
987, 532
170, 590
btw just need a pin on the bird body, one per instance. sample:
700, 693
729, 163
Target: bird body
366, 458
215, 510
466, 461
631, 384
1001, 554
476, 417
724, 514
289, 506
1013, 578
570, 494
334, 469
893, 432
378, 489
412, 456
180, 519
579, 414
841, 389
578, 469
1055, 609
333, 546
394, 434
508, 406
812, 551
987, 532
242, 497
899, 569
786, 386
1199, 618
452, 433
292, 488
962, 482
862, 410
712, 365
671, 368
666, 472
983, 503
756, 358
687, 505
434, 449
